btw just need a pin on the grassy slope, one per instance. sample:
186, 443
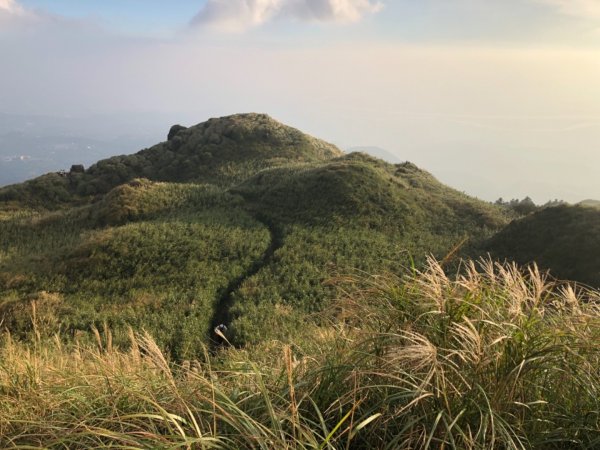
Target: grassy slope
352, 213
162, 269
564, 239
494, 359
146, 247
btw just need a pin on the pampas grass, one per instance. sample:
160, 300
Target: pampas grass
495, 357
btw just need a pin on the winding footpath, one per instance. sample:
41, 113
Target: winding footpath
223, 305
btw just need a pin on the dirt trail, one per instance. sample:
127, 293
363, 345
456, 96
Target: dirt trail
225, 302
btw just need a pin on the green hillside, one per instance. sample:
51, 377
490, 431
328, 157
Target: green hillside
240, 220
343, 329
564, 239
161, 265
352, 213
495, 359
220, 151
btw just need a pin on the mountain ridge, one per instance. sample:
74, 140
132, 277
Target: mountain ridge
173, 239
218, 151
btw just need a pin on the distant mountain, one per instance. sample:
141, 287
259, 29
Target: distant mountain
377, 152
590, 203
242, 220
564, 239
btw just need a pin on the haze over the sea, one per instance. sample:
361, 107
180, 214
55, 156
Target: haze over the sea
496, 98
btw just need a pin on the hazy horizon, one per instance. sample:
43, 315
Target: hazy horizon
497, 99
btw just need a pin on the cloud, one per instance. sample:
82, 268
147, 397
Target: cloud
13, 16
587, 9
237, 15
240, 15
345, 11
10, 7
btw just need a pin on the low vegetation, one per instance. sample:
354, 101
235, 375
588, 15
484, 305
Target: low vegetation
564, 239
257, 227
171, 252
244, 221
491, 358
590, 203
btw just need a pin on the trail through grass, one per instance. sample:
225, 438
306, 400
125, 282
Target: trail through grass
494, 358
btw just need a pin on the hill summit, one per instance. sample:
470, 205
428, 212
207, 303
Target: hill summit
221, 151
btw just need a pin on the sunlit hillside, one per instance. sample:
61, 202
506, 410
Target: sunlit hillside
491, 359
245, 285
259, 226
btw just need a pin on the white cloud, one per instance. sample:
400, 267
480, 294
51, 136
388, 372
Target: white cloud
10, 7
334, 10
587, 9
239, 15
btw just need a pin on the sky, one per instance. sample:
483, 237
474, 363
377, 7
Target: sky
498, 98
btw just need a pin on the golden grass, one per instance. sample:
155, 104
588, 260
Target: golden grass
495, 357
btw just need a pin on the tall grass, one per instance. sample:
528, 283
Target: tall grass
493, 358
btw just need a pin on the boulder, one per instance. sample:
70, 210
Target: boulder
174, 130
77, 168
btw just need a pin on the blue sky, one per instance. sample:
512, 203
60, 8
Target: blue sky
141, 16
495, 97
